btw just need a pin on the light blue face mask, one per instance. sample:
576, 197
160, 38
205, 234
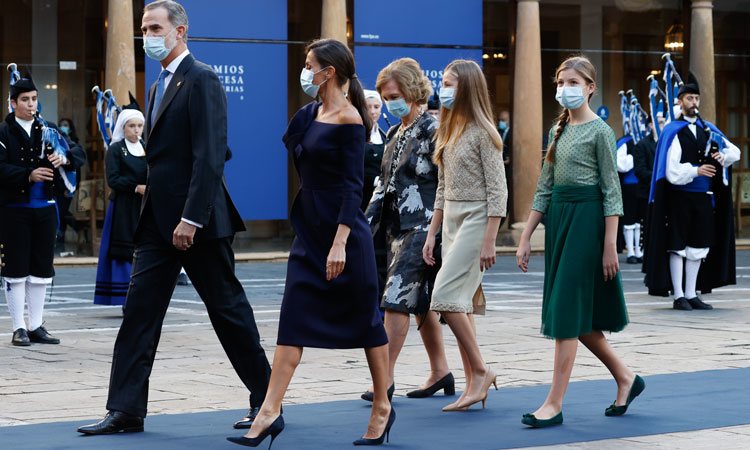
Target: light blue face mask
398, 107
570, 97
447, 97
156, 47
64, 129
306, 81
502, 125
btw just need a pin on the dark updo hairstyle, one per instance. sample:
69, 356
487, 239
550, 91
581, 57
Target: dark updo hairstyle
332, 53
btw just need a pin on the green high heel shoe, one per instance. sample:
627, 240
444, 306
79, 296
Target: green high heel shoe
533, 422
635, 390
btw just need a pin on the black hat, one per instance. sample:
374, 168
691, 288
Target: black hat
133, 103
691, 87
434, 101
21, 86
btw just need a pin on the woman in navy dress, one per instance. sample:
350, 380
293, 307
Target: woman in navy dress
331, 294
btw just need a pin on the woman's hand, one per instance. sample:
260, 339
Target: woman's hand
140, 189
335, 261
429, 249
488, 255
609, 262
523, 254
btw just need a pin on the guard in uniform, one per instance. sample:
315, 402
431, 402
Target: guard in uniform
630, 222
28, 175
691, 213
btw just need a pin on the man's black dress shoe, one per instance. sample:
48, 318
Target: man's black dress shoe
682, 304
41, 336
182, 279
247, 421
21, 338
698, 303
114, 422
632, 260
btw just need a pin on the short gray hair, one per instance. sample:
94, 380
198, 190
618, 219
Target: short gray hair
175, 12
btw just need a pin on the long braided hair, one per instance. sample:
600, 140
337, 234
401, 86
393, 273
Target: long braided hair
583, 66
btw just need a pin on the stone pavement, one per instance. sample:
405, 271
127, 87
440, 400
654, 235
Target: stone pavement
66, 382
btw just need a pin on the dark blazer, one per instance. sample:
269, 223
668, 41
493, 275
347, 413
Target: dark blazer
19, 156
187, 148
416, 177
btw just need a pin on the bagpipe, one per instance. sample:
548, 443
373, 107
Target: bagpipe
107, 110
53, 142
633, 116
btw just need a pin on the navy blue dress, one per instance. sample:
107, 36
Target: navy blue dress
341, 313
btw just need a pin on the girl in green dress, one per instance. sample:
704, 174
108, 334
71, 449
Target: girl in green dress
579, 192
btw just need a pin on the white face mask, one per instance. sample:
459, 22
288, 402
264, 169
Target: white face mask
570, 97
156, 47
306, 81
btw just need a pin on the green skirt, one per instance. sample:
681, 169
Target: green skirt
577, 300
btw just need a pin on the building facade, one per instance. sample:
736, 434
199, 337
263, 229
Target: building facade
256, 47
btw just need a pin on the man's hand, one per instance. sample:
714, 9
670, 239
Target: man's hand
182, 237
140, 189
41, 174
57, 160
707, 170
718, 156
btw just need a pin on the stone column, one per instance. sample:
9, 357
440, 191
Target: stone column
120, 63
702, 55
334, 20
527, 108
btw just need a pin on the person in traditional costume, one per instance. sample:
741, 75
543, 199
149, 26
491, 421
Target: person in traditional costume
33, 158
126, 172
691, 207
579, 193
631, 219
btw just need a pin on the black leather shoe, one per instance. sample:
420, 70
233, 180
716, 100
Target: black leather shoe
632, 260
682, 304
41, 336
21, 338
698, 303
182, 279
368, 396
247, 421
640, 259
114, 422
447, 384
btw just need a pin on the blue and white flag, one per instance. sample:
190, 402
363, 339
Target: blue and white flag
103, 129
654, 100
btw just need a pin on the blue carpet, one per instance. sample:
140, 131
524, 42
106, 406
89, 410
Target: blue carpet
670, 403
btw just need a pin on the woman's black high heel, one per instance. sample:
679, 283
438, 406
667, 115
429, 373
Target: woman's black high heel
384, 436
276, 427
447, 384
368, 396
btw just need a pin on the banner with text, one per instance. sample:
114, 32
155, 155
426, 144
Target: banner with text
255, 82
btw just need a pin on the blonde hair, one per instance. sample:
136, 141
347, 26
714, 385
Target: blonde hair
411, 81
585, 69
471, 104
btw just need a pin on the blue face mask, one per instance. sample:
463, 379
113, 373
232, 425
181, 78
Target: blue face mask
64, 129
398, 107
306, 81
570, 97
502, 125
155, 46
447, 97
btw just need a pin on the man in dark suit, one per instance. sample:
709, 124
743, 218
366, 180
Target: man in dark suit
187, 219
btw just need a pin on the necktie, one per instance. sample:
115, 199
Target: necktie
160, 86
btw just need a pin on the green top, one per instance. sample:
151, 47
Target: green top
585, 155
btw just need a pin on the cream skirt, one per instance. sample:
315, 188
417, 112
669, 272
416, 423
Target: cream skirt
458, 286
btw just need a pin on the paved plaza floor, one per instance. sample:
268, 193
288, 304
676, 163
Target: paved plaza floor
46, 384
